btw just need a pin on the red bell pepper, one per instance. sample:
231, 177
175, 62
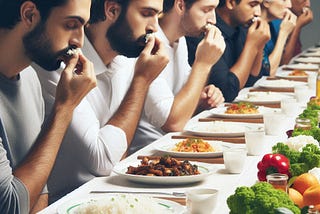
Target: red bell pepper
273, 163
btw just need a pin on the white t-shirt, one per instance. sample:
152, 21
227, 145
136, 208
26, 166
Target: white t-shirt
21, 118
90, 147
161, 93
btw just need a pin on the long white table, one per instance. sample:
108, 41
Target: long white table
224, 182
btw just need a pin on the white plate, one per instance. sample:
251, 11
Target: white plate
302, 66
217, 145
311, 54
165, 206
313, 49
262, 97
312, 60
204, 168
220, 112
280, 83
285, 74
219, 128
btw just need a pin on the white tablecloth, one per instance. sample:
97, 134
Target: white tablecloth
225, 183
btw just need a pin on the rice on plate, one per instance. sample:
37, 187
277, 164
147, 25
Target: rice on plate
119, 204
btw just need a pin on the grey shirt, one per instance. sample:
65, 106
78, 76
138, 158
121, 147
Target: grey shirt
22, 114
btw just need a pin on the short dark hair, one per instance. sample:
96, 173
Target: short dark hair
223, 2
97, 13
168, 4
10, 10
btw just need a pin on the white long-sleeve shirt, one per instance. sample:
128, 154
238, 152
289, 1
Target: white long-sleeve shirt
161, 93
90, 147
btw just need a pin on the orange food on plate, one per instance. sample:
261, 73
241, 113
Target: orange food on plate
242, 108
298, 73
193, 145
304, 181
312, 195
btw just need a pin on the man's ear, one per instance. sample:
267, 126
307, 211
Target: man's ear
29, 13
112, 10
179, 6
266, 4
231, 4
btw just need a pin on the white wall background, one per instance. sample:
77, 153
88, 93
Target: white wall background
311, 33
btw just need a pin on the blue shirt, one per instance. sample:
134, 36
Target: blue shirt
268, 48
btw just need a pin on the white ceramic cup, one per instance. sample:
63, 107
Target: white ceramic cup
234, 159
290, 107
201, 201
255, 141
302, 93
275, 123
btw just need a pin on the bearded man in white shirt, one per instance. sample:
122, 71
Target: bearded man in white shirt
179, 90
104, 123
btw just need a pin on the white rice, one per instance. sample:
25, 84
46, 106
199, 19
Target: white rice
220, 127
122, 204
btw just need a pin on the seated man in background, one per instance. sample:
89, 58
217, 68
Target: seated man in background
301, 8
271, 10
42, 31
240, 64
176, 93
104, 123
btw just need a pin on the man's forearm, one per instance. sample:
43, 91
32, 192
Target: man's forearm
276, 55
290, 46
129, 112
186, 101
244, 64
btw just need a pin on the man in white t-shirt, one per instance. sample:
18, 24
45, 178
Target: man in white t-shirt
43, 31
175, 95
104, 123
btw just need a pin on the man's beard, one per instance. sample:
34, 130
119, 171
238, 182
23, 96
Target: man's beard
39, 49
120, 37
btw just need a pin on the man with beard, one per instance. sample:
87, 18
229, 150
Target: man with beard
240, 64
40, 31
172, 97
104, 123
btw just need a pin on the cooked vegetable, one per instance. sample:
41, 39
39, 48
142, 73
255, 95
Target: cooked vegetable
242, 108
273, 163
261, 198
193, 145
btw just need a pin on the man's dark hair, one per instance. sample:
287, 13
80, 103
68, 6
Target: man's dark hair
97, 13
168, 4
223, 2
10, 10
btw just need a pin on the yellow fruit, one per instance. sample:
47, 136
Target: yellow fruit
304, 181
296, 197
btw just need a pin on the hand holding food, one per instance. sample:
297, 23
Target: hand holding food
259, 33
288, 22
152, 59
76, 80
211, 47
